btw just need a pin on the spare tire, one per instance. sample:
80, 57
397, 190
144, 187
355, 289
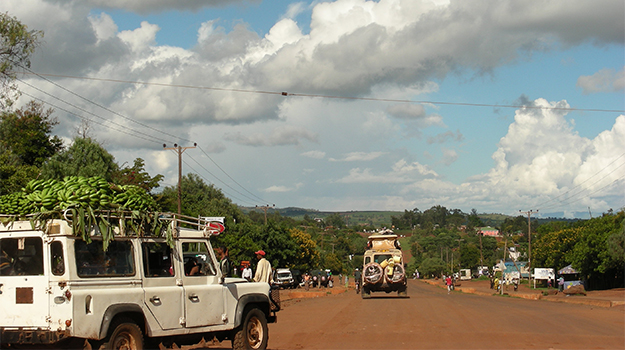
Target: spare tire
398, 275
372, 273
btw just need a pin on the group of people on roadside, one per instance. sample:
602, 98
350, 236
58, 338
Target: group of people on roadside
264, 271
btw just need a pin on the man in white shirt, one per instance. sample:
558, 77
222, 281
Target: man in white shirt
263, 269
247, 273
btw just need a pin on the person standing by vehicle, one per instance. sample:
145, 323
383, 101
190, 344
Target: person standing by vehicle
224, 264
247, 273
448, 282
306, 281
263, 269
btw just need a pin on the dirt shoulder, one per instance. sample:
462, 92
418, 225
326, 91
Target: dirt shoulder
601, 298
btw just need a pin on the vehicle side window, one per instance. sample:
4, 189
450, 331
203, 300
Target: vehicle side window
57, 262
93, 261
197, 259
21, 256
157, 260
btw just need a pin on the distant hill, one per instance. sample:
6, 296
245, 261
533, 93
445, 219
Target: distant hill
375, 218
383, 218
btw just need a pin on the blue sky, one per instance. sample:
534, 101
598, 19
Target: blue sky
370, 153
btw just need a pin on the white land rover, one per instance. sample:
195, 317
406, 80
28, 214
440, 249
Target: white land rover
58, 290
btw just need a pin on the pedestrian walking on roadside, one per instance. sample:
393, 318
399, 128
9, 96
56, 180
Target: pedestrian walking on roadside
448, 282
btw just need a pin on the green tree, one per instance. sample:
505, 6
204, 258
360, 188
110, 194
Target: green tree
199, 199
431, 267
469, 256
136, 175
333, 262
307, 256
85, 157
13, 174
27, 133
335, 220
591, 254
474, 221
17, 44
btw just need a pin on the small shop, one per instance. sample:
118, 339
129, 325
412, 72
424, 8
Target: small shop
571, 276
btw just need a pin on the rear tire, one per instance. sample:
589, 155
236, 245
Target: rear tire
365, 293
253, 334
125, 336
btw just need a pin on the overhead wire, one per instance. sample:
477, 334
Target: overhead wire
282, 93
583, 182
209, 182
216, 177
123, 129
377, 99
105, 108
87, 119
591, 193
230, 177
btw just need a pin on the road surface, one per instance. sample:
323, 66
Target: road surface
432, 319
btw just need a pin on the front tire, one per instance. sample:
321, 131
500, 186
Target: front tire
253, 334
125, 336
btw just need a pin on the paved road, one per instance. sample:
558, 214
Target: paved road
432, 319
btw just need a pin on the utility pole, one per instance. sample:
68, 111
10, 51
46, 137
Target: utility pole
529, 239
265, 208
180, 150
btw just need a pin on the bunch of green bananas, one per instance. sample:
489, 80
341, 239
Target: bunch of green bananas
15, 204
75, 192
83, 198
131, 197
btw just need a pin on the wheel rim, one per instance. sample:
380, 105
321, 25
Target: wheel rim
255, 333
125, 341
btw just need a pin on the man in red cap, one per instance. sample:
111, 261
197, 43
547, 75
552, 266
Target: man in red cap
263, 269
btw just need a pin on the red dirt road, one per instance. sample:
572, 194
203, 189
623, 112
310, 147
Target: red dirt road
432, 319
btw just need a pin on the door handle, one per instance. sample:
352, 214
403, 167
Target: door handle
155, 300
194, 298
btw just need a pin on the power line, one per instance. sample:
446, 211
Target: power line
223, 182
93, 114
376, 99
208, 181
588, 195
230, 177
123, 130
87, 119
103, 107
588, 179
570, 200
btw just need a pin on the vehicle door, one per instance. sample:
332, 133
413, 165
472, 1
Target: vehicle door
203, 294
24, 299
162, 287
59, 294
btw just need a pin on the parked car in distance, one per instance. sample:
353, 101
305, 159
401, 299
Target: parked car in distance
284, 279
